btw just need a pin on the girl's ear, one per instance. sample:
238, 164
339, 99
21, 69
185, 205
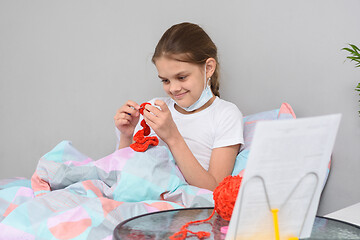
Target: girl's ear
210, 67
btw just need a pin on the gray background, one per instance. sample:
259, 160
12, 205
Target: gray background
67, 66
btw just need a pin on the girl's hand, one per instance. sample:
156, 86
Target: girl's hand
126, 118
160, 120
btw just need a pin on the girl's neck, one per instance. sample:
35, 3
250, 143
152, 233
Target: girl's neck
206, 105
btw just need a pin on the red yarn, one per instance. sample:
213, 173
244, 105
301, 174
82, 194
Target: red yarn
224, 196
141, 142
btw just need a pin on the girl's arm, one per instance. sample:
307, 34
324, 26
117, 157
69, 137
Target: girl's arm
124, 142
126, 119
221, 162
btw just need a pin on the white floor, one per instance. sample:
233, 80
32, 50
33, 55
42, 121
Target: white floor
349, 214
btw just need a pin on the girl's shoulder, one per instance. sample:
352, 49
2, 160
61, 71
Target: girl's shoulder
225, 108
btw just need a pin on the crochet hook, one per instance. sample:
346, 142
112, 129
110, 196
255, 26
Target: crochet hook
141, 107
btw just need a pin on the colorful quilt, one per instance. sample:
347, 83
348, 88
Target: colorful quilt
71, 196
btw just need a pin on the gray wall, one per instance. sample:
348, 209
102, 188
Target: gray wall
66, 66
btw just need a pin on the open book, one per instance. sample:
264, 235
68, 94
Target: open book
284, 178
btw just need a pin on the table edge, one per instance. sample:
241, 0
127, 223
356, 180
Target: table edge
208, 208
337, 220
162, 211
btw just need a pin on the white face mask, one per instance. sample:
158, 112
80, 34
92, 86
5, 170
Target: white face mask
205, 96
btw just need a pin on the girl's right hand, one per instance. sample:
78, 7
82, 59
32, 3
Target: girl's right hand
127, 117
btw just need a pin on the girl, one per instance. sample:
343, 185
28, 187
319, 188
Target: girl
202, 131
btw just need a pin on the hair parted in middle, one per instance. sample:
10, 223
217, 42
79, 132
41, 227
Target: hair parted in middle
188, 42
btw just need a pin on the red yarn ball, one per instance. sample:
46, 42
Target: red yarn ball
225, 195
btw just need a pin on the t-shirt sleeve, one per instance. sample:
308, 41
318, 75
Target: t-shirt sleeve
229, 127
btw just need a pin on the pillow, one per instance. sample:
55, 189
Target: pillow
284, 112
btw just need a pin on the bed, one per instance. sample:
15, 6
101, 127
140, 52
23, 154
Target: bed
71, 196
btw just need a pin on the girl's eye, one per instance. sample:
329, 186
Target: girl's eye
182, 77
164, 81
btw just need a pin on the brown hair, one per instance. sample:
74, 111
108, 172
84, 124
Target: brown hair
188, 42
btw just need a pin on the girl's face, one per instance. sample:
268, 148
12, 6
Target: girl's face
182, 81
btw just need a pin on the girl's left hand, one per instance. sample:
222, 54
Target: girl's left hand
161, 121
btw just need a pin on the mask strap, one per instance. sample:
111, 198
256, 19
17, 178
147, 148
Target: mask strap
206, 80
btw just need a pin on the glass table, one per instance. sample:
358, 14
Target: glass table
161, 225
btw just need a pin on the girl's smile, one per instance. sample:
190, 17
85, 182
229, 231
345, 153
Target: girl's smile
180, 95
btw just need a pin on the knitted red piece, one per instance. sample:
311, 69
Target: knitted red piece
224, 196
141, 142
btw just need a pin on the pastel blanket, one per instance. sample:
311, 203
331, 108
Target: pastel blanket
71, 196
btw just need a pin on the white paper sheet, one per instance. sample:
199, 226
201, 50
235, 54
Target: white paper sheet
286, 170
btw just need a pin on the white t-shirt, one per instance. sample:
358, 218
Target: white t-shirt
219, 125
